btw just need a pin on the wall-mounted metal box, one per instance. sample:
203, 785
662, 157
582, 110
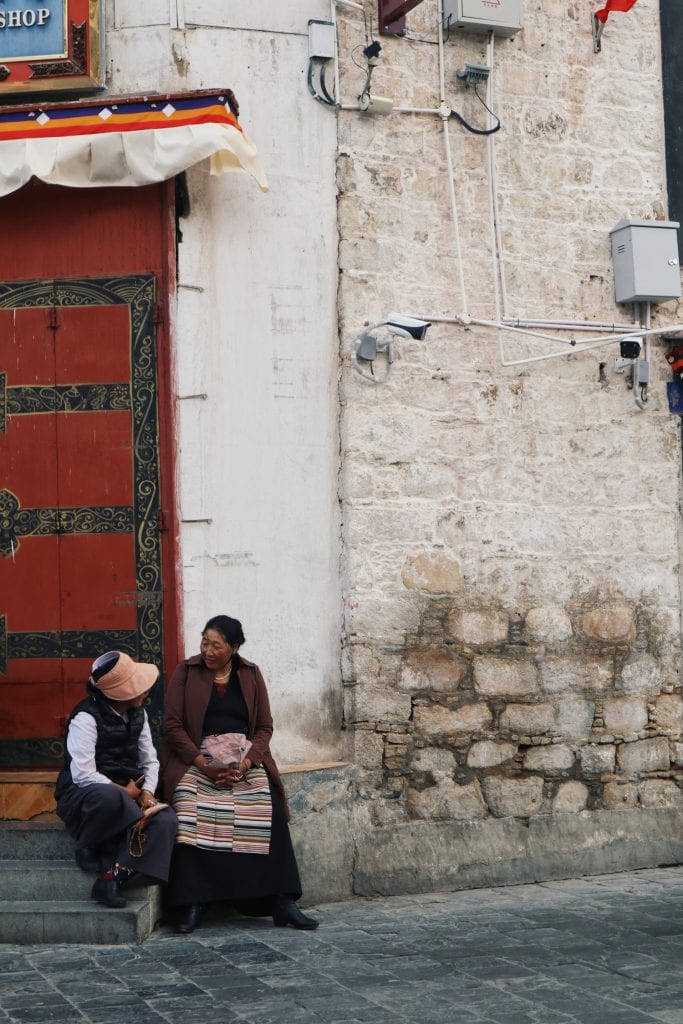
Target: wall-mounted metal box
645, 259
502, 17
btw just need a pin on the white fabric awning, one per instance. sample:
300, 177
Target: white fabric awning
123, 141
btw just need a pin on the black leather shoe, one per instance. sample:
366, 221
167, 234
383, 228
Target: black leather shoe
88, 860
106, 890
286, 912
190, 918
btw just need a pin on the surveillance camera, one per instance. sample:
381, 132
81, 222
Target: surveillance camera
629, 348
408, 324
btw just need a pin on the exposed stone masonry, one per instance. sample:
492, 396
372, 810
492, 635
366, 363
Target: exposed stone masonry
562, 713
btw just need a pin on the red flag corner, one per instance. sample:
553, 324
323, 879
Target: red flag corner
613, 5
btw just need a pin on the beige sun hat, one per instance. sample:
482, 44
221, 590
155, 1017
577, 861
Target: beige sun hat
118, 677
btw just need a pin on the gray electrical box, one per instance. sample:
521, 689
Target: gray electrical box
502, 17
645, 259
320, 39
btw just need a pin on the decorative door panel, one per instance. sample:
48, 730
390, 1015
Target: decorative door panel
80, 547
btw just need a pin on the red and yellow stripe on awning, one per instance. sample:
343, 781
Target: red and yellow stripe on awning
123, 141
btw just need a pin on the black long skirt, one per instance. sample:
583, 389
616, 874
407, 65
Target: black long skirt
248, 881
101, 816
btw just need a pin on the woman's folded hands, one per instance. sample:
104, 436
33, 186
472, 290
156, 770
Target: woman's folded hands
224, 775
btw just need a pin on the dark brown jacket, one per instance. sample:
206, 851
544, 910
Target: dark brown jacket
186, 700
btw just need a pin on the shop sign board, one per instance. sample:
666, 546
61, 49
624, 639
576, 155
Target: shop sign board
50, 47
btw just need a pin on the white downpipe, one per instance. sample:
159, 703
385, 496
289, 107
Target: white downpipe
499, 297
493, 240
454, 211
493, 187
445, 113
333, 15
442, 63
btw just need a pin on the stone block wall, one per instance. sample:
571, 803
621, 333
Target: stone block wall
563, 709
512, 533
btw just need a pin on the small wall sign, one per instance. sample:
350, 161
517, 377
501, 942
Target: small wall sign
50, 46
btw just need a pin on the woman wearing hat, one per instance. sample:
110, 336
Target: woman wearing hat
105, 793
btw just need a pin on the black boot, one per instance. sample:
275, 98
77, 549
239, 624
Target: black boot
106, 890
286, 912
190, 918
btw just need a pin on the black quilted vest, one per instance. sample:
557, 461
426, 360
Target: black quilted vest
116, 750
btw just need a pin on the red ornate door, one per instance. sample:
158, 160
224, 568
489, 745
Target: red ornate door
82, 558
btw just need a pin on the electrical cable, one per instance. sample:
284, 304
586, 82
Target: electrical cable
486, 107
323, 88
365, 20
363, 67
470, 128
325, 99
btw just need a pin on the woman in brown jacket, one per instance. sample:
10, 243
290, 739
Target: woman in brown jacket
233, 842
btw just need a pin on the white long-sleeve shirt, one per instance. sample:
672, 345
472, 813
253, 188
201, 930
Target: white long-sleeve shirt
81, 741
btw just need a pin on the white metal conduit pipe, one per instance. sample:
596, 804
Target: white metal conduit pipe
571, 325
500, 287
586, 344
593, 344
445, 113
641, 392
493, 236
394, 110
626, 330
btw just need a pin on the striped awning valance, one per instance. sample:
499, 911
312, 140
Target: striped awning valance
123, 141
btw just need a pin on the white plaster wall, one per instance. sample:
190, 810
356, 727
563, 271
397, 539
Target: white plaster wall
256, 332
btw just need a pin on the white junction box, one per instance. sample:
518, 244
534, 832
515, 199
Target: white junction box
320, 39
645, 260
502, 17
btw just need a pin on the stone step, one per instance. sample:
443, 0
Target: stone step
43, 880
45, 897
35, 840
34, 922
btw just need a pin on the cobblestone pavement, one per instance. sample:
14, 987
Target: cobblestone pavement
582, 951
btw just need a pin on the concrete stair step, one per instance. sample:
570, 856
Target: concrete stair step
29, 922
43, 880
45, 897
35, 840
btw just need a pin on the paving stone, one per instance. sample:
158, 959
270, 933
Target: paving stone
602, 950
